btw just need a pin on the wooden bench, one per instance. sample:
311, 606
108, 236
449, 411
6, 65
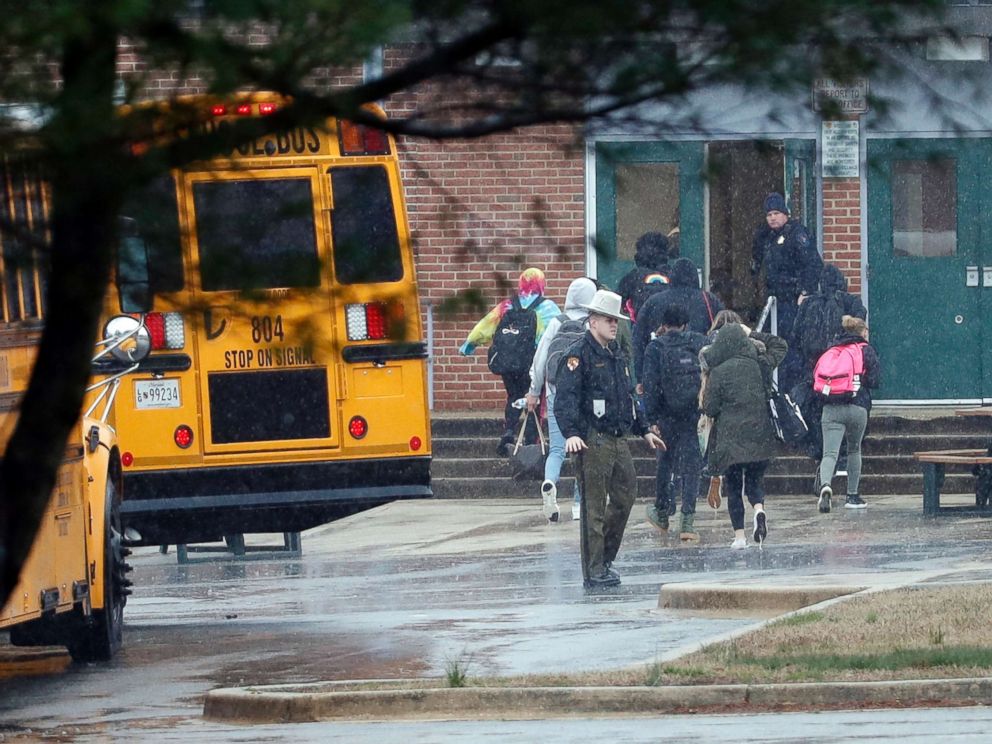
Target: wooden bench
935, 462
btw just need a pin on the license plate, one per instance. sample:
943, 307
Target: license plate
156, 394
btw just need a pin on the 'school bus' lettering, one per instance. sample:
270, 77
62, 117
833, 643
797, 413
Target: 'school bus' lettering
287, 382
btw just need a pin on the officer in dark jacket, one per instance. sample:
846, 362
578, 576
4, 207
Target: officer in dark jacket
700, 307
595, 410
784, 249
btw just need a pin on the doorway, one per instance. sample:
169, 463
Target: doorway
708, 197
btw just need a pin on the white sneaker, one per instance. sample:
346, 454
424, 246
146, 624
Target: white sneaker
576, 511
739, 543
549, 492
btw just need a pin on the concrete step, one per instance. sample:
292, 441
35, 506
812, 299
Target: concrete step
875, 444
775, 485
499, 467
454, 425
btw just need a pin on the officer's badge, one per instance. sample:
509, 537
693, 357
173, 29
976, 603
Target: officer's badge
781, 240
572, 363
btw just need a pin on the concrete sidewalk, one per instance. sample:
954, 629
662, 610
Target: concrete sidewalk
496, 589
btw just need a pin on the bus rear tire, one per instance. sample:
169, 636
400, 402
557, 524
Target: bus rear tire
101, 634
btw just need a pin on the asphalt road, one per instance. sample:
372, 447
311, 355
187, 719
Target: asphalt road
405, 590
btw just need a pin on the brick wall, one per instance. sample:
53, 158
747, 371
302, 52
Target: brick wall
842, 228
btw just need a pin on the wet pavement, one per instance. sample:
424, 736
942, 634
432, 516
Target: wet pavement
407, 589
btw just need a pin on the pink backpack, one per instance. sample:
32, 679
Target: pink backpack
838, 371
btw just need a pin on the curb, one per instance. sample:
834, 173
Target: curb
694, 596
309, 703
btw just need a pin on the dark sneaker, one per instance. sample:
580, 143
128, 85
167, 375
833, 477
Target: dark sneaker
826, 493
605, 580
760, 527
657, 519
855, 502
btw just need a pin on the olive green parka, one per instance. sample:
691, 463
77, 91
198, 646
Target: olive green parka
736, 396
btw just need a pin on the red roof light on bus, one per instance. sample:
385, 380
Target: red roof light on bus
358, 139
266, 108
243, 109
218, 110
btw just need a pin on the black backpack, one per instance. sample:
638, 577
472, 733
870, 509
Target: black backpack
512, 349
570, 332
649, 282
680, 375
817, 323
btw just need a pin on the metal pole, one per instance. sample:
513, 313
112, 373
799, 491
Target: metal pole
430, 356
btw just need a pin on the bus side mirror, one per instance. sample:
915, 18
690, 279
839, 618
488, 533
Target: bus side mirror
134, 290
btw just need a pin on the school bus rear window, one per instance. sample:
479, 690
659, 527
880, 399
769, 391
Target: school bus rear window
155, 212
366, 241
256, 234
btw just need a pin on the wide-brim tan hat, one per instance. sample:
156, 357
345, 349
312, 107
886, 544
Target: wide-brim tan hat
605, 302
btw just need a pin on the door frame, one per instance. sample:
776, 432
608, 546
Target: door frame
977, 203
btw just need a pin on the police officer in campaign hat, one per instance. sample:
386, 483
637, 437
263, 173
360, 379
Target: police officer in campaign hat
784, 248
595, 410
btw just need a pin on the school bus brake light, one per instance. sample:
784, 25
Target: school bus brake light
166, 330
358, 427
183, 436
366, 322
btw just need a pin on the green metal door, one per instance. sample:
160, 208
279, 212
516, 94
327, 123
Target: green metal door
927, 216
646, 187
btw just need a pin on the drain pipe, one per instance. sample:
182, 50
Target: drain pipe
430, 356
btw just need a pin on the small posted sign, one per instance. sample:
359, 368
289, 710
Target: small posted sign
841, 151
843, 98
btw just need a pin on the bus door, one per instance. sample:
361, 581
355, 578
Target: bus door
263, 333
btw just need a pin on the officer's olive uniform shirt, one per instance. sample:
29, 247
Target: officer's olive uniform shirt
595, 392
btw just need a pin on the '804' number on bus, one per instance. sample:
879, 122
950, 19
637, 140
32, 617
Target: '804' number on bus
266, 328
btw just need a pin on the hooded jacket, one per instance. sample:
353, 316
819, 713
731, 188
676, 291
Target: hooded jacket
832, 280
580, 292
736, 396
530, 287
683, 291
650, 255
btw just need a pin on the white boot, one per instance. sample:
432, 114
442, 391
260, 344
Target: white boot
549, 491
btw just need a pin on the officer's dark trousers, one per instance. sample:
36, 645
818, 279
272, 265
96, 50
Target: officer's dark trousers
607, 469
790, 371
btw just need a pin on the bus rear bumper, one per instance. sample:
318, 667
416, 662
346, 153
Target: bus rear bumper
204, 504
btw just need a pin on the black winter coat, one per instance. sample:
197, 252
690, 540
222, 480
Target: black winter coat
788, 255
684, 291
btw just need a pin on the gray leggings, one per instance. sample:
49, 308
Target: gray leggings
842, 422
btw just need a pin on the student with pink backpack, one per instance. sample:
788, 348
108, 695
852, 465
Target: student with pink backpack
843, 377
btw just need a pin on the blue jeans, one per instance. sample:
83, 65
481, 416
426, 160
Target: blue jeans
556, 449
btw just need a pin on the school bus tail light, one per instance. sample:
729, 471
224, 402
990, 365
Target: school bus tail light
367, 322
358, 139
358, 427
183, 436
166, 329
415, 444
127, 459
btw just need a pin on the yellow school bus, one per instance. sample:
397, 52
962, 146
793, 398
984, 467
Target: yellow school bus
73, 587
286, 386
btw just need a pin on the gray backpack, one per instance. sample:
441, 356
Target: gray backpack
569, 333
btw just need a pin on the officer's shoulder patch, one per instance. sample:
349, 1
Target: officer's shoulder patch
572, 363
802, 238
